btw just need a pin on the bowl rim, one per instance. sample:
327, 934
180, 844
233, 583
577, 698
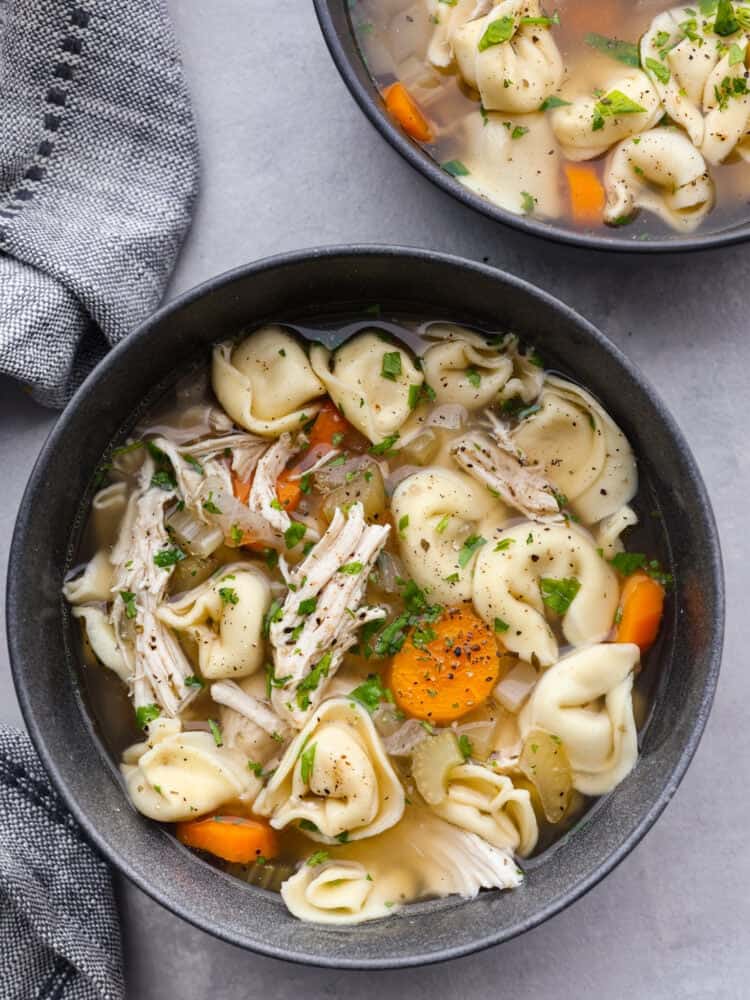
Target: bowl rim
423, 163
14, 598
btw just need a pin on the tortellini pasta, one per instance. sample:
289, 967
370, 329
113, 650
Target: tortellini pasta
225, 617
499, 149
179, 775
608, 531
662, 172
516, 74
463, 368
102, 639
439, 510
586, 700
573, 123
482, 802
537, 566
371, 381
265, 383
423, 856
580, 450
701, 79
336, 776
447, 18
94, 584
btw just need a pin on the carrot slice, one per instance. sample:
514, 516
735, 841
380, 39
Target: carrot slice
402, 106
642, 605
450, 674
328, 423
587, 196
241, 487
288, 490
232, 838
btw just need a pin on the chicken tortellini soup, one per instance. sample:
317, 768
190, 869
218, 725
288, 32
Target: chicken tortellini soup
367, 625
594, 115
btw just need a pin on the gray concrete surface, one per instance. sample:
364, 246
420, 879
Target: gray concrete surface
289, 161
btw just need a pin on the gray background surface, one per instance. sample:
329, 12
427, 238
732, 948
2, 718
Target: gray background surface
288, 162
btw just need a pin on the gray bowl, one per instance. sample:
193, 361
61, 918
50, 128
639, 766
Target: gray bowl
42, 644
335, 21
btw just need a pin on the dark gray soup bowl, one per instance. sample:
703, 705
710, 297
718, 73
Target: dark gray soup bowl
345, 279
335, 17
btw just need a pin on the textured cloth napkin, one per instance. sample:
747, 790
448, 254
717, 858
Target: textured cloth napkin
59, 932
98, 173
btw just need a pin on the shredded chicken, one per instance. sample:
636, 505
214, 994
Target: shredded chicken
191, 475
321, 614
263, 499
231, 694
495, 461
156, 662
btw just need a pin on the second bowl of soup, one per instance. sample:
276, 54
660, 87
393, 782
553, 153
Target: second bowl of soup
612, 125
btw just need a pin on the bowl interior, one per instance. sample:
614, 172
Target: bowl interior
335, 17
43, 653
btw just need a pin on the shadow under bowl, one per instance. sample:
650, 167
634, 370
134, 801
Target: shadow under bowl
344, 280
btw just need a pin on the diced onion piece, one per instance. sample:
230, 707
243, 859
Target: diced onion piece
192, 534
431, 764
544, 762
451, 416
403, 741
391, 570
423, 448
357, 481
513, 690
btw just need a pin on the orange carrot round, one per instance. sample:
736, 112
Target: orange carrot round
450, 674
642, 605
328, 423
233, 838
402, 106
587, 195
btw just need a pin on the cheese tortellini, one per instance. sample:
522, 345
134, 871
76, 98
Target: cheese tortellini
371, 381
179, 775
585, 699
421, 857
101, 637
573, 123
701, 78
660, 171
265, 383
336, 776
224, 616
580, 450
462, 368
537, 566
521, 65
498, 152
439, 510
94, 584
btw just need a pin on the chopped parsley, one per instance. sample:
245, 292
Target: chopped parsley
464, 745
628, 562
473, 376
528, 202
307, 762
558, 595
391, 367
385, 447
294, 534
307, 824
726, 22
352, 568
442, 523
313, 679
455, 168
504, 543
274, 614
319, 858
146, 714
371, 692
210, 506
128, 599
228, 595
190, 460
163, 480
624, 52
660, 71
497, 32
553, 102
165, 558
272, 681
472, 544
500, 625
307, 606
403, 524
193, 682
236, 534
216, 732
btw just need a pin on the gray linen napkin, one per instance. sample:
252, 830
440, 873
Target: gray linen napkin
59, 931
98, 173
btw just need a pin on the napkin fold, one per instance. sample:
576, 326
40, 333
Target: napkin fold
59, 930
98, 174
